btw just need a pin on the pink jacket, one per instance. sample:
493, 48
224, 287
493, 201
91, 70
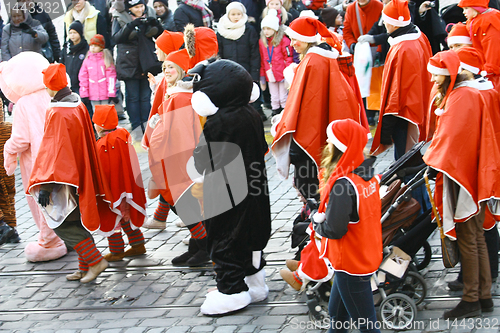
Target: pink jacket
281, 58
96, 81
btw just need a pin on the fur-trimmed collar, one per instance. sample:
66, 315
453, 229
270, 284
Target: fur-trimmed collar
180, 87
479, 84
332, 54
411, 36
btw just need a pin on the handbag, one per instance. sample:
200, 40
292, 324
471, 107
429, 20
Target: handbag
47, 52
449, 248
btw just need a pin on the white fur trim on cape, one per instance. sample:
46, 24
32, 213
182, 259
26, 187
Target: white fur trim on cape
178, 89
472, 69
479, 84
332, 54
192, 172
255, 93
65, 104
202, 104
458, 40
333, 139
319, 217
406, 37
437, 70
295, 35
400, 22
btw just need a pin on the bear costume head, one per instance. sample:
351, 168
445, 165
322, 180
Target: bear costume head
221, 84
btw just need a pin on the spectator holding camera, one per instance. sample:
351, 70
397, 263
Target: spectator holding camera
133, 32
23, 33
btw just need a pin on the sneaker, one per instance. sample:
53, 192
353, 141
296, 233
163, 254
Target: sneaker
291, 279
122, 116
153, 223
456, 285
464, 310
486, 305
179, 223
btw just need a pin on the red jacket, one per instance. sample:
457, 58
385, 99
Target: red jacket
281, 58
369, 14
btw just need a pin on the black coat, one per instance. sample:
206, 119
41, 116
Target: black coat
185, 14
135, 55
167, 20
72, 57
244, 51
379, 32
39, 14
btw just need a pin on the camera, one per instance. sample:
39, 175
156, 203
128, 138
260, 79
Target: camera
432, 4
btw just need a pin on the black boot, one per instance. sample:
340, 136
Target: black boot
14, 239
486, 305
456, 285
6, 232
262, 114
464, 310
201, 257
192, 250
275, 112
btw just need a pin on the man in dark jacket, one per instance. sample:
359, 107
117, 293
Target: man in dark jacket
38, 13
192, 11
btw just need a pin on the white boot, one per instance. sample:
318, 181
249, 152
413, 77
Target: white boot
257, 287
218, 303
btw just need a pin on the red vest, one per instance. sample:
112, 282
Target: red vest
359, 251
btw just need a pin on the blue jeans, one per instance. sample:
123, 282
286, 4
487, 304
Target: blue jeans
352, 298
138, 101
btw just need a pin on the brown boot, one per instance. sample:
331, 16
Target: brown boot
292, 265
291, 279
135, 250
94, 271
110, 257
75, 276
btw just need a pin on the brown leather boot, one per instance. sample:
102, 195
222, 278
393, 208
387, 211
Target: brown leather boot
135, 250
110, 257
289, 277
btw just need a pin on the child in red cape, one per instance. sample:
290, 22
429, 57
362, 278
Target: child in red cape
121, 167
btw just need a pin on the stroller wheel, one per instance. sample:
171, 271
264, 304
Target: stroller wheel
415, 287
397, 311
318, 314
423, 256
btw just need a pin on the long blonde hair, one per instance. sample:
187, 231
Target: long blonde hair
108, 58
180, 72
277, 37
309, 45
330, 157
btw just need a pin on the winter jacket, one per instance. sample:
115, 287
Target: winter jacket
281, 57
15, 39
185, 14
244, 51
96, 81
72, 57
94, 23
135, 52
167, 20
44, 18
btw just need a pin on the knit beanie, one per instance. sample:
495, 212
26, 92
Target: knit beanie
98, 40
236, 5
329, 16
77, 26
164, 2
271, 20
131, 3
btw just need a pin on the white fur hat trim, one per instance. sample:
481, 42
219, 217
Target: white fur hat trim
319, 217
439, 112
254, 96
202, 104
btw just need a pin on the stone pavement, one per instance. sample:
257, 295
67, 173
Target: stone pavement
148, 294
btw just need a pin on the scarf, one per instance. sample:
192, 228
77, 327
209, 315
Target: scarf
81, 16
206, 13
230, 30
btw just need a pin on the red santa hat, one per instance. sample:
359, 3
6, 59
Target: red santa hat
180, 58
54, 77
473, 3
471, 59
170, 41
350, 138
105, 116
459, 35
445, 63
306, 28
397, 13
201, 43
334, 40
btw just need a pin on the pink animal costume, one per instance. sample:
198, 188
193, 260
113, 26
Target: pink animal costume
21, 81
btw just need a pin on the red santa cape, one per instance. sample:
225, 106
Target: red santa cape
172, 143
406, 85
318, 95
123, 173
68, 156
465, 150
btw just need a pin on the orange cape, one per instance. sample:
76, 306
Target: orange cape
68, 156
465, 150
319, 94
406, 83
172, 143
122, 170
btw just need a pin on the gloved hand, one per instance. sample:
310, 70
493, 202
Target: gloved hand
352, 47
24, 26
366, 39
113, 100
135, 23
152, 21
44, 198
431, 173
32, 32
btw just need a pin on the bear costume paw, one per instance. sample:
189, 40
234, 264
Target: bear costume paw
36, 253
257, 287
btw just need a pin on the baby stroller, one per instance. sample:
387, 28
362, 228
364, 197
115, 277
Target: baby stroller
397, 285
